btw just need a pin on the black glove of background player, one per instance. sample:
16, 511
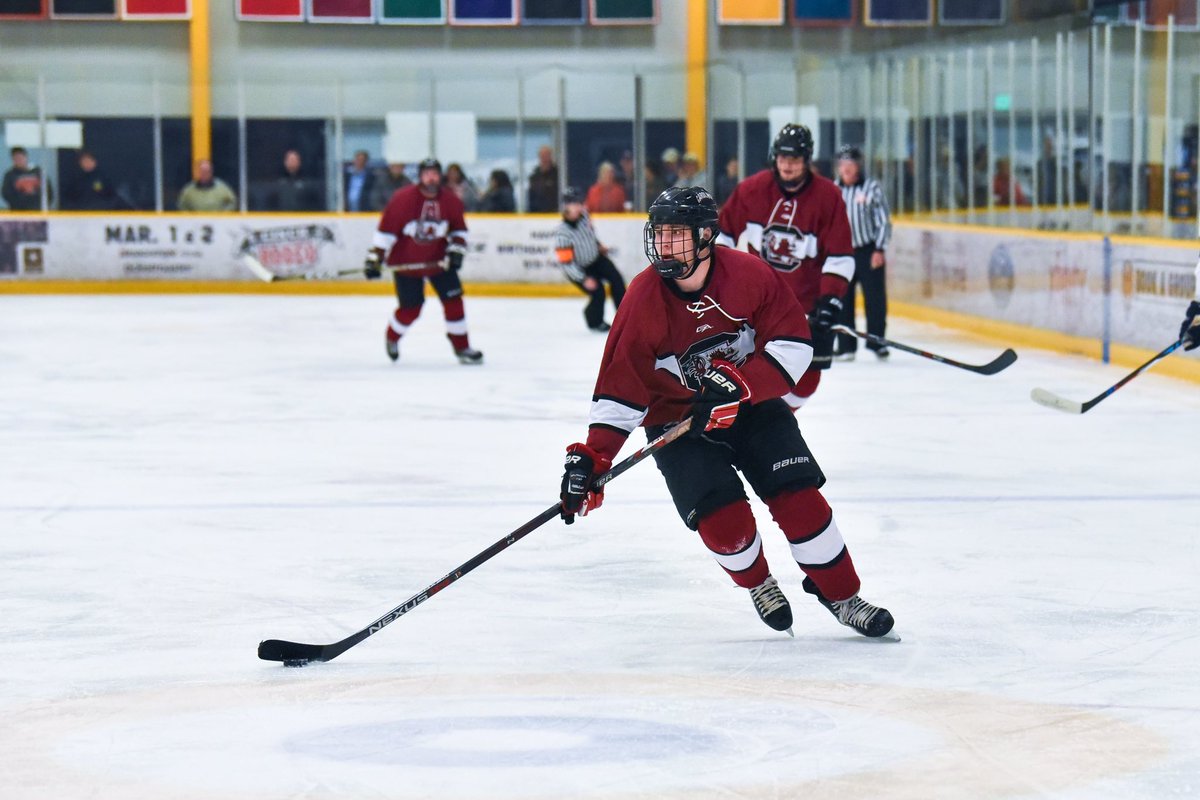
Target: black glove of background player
373, 266
825, 314
1190, 330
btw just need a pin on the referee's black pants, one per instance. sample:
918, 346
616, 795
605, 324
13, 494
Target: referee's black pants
874, 289
602, 270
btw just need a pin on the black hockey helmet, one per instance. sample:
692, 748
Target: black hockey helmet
686, 206
571, 194
849, 152
429, 163
792, 140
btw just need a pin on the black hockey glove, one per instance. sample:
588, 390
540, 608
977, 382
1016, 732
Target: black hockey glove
454, 261
824, 316
583, 465
373, 266
722, 391
1190, 330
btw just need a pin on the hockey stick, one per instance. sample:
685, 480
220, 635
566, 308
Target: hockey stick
294, 654
1000, 362
262, 273
1051, 400
256, 266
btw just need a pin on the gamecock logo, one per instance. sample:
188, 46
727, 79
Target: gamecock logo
785, 248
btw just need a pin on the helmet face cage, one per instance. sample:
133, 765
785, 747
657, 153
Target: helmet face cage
691, 211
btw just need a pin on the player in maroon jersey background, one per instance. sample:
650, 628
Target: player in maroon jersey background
795, 220
716, 336
422, 235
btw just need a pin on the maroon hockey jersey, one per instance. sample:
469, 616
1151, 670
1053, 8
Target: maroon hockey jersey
662, 341
417, 230
805, 236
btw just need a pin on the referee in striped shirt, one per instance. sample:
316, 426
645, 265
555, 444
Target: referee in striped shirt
870, 230
585, 261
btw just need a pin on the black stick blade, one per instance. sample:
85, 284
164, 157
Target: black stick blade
1001, 362
292, 654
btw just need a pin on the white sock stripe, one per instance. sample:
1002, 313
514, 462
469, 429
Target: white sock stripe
821, 549
737, 562
458, 327
396, 327
794, 400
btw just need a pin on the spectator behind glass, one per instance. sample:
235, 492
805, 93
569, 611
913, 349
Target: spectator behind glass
91, 189
606, 195
387, 184
23, 184
206, 192
292, 191
652, 176
498, 198
456, 181
690, 173
625, 169
359, 180
670, 167
726, 181
1000, 186
543, 183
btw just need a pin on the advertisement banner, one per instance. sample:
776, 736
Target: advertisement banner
503, 249
1049, 281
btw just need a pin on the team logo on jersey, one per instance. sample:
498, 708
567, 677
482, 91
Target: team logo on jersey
429, 227
732, 346
784, 247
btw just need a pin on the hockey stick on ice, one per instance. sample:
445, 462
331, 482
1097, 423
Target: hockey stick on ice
1051, 400
256, 266
262, 273
294, 654
1000, 362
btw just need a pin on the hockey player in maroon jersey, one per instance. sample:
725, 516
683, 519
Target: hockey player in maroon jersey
422, 234
715, 335
795, 220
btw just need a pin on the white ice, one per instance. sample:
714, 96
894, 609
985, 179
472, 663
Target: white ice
182, 476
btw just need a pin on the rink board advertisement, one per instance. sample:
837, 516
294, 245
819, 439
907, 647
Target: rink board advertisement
507, 249
1044, 281
1036, 279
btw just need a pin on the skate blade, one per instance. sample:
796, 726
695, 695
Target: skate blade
789, 633
890, 636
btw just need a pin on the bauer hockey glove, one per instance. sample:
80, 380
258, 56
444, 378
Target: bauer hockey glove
1189, 332
583, 465
373, 266
824, 316
454, 260
722, 391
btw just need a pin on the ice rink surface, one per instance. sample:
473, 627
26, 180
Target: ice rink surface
182, 476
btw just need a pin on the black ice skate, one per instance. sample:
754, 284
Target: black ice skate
393, 348
856, 613
773, 608
469, 356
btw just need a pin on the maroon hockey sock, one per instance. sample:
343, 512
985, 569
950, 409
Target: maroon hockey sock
731, 535
816, 542
807, 386
456, 323
401, 319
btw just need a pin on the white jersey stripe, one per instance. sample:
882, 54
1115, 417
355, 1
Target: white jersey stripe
821, 549
840, 265
383, 241
457, 327
792, 356
615, 415
737, 562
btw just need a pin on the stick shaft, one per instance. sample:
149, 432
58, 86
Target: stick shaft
277, 650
